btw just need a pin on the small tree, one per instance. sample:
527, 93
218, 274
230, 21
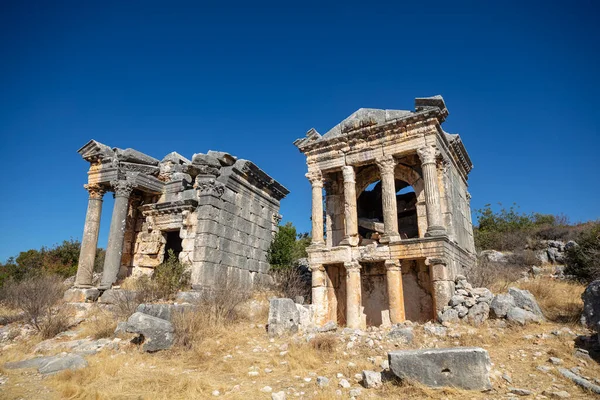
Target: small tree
283, 248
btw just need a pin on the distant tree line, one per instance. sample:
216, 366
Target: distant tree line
60, 259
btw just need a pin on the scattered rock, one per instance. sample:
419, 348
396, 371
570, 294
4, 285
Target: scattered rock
584, 383
501, 304
479, 313
404, 334
449, 316
344, 383
76, 295
322, 381
555, 360
328, 327
461, 367
520, 316
371, 379
354, 392
520, 392
278, 395
557, 395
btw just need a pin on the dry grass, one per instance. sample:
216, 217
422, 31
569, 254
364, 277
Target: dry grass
559, 300
324, 342
100, 323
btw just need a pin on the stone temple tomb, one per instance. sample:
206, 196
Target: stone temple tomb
217, 212
397, 226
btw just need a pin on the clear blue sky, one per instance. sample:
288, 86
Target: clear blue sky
520, 80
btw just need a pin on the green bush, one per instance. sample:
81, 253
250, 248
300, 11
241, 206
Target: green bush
583, 260
287, 247
171, 276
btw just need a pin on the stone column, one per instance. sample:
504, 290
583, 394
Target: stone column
319, 293
316, 180
395, 291
351, 218
89, 241
114, 249
387, 166
441, 281
432, 192
353, 295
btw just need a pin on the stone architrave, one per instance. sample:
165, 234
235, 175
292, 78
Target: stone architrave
351, 218
387, 166
353, 295
432, 192
316, 180
395, 291
114, 249
89, 241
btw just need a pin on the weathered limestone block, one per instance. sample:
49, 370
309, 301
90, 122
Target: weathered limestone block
163, 311
525, 300
501, 304
461, 367
284, 317
520, 316
157, 333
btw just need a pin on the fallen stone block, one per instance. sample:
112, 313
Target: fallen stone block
584, 383
460, 367
164, 311
519, 316
157, 333
283, 317
117, 296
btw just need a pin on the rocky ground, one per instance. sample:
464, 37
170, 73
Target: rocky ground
240, 361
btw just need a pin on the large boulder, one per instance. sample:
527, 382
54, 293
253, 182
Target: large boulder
157, 333
284, 317
461, 367
494, 256
519, 316
501, 304
525, 300
479, 313
591, 306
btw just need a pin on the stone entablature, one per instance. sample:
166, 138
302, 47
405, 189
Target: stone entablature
216, 211
427, 234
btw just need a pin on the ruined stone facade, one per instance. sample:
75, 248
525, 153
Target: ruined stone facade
216, 212
382, 253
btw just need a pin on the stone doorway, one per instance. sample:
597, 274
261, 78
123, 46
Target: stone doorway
174, 242
336, 293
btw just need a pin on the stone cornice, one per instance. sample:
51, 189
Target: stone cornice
173, 207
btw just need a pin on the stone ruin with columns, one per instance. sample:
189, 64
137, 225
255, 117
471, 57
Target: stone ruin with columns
398, 228
216, 212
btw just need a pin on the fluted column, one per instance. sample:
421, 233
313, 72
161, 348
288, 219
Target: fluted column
435, 225
387, 166
114, 249
89, 241
316, 180
319, 293
395, 291
353, 295
351, 218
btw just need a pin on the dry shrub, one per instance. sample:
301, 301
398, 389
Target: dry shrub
214, 309
36, 297
325, 343
100, 324
55, 322
493, 275
292, 282
559, 300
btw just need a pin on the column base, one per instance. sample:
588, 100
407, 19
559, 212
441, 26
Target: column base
350, 241
435, 231
390, 238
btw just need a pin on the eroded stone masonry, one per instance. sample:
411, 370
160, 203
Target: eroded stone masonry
392, 229
216, 212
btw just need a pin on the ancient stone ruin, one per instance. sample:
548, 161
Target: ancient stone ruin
216, 212
397, 226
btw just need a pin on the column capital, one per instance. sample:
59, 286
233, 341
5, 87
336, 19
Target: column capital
435, 261
315, 177
392, 265
95, 190
427, 154
386, 164
316, 267
348, 173
352, 266
122, 187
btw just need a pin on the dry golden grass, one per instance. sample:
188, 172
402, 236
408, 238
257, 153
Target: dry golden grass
221, 358
100, 323
559, 300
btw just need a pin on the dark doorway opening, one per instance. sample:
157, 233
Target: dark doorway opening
173, 243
